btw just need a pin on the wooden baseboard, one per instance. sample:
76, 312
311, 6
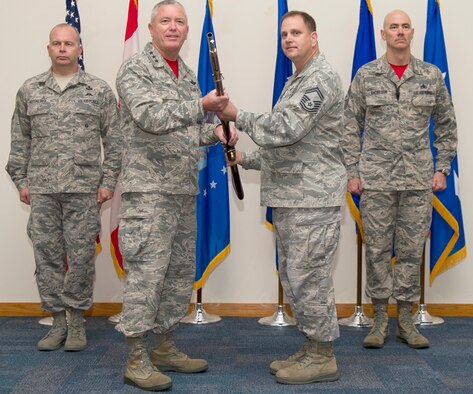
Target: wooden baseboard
242, 310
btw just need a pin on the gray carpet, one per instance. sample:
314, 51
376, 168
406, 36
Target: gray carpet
239, 351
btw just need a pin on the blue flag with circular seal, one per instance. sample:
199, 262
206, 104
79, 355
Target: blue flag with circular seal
213, 210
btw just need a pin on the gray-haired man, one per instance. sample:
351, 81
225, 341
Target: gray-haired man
163, 123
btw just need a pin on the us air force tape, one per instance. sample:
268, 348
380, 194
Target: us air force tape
312, 100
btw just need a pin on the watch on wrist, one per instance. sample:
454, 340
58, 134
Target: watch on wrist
444, 171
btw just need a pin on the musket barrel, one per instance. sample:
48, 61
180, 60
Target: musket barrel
217, 75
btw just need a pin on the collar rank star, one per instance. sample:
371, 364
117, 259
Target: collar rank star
312, 100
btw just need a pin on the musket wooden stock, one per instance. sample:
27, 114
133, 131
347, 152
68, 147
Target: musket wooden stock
229, 150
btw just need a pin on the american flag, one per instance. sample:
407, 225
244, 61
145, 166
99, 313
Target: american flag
72, 18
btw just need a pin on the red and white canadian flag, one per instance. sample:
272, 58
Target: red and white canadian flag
131, 47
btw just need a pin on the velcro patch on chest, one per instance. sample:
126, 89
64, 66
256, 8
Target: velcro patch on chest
312, 100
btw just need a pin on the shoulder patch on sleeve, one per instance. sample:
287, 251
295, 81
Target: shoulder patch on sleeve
312, 100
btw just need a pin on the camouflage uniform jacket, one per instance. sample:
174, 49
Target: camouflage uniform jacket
300, 157
163, 124
395, 114
56, 136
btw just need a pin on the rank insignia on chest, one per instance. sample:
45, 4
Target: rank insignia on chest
312, 100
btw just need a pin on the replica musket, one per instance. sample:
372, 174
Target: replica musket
229, 150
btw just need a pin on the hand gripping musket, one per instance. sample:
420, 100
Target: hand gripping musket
229, 150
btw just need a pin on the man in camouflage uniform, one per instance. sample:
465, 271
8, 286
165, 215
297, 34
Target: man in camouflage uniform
163, 124
303, 179
391, 167
61, 119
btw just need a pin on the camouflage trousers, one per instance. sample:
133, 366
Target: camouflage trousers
157, 237
63, 228
307, 240
396, 221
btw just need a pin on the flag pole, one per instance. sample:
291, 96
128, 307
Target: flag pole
131, 46
213, 210
283, 71
365, 51
280, 318
358, 318
199, 315
422, 317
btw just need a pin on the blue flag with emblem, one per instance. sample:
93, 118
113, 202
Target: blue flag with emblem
447, 237
282, 73
365, 52
72, 18
283, 65
213, 211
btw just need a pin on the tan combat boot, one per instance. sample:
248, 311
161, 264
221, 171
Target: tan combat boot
56, 336
317, 365
76, 338
167, 357
379, 332
406, 330
276, 365
139, 371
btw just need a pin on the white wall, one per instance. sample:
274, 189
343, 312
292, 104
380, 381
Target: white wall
246, 32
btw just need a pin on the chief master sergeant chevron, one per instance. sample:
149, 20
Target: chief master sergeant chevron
393, 98
303, 178
62, 119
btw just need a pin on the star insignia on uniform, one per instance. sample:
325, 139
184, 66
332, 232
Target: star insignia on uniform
312, 100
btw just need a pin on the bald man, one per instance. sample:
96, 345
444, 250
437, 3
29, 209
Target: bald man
392, 100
